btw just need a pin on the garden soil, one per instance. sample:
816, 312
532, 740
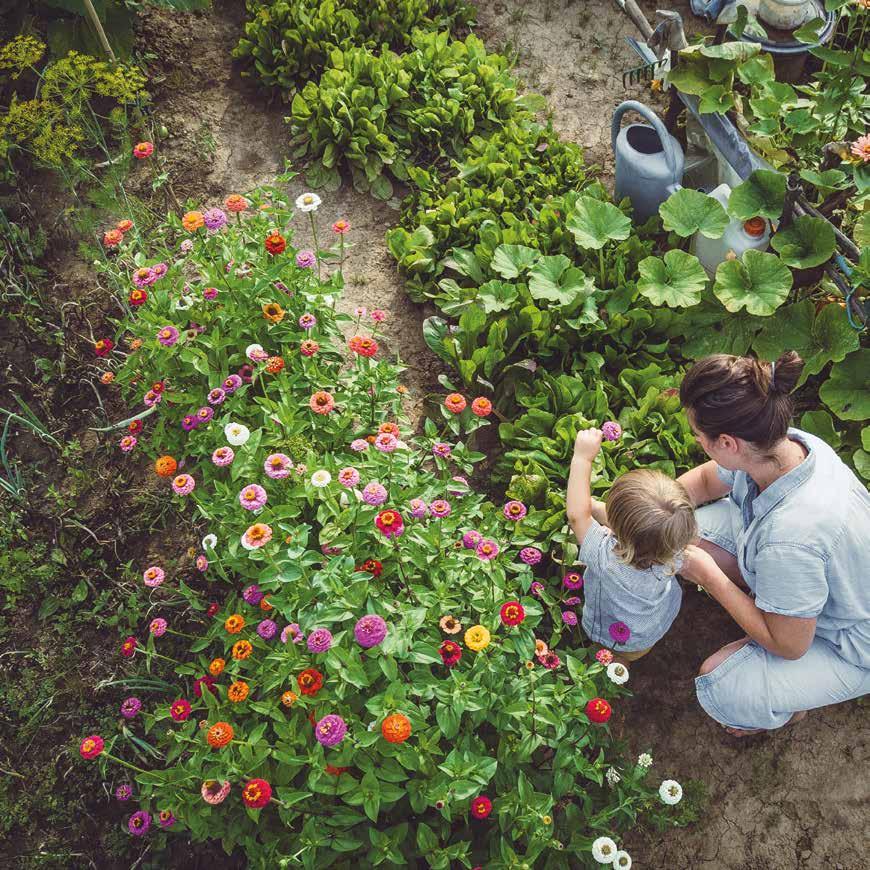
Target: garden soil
795, 799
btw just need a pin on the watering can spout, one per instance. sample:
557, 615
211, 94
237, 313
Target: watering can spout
649, 161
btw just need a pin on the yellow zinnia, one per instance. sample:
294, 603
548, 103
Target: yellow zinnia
477, 638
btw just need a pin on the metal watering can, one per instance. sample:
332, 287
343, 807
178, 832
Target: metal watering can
649, 161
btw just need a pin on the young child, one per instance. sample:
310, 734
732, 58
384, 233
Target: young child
631, 596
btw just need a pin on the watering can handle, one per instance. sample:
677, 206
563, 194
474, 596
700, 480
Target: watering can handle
648, 114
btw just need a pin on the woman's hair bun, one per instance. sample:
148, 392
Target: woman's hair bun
786, 372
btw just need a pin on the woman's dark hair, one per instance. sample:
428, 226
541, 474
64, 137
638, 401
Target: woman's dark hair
742, 396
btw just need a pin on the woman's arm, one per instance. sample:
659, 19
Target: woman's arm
786, 636
703, 484
578, 499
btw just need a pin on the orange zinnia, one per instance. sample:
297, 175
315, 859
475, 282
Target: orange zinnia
396, 728
242, 649
455, 403
238, 691
216, 668
388, 429
264, 601
273, 312
166, 466
219, 735
288, 699
234, 623
192, 221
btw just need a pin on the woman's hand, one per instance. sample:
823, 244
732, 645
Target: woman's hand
701, 568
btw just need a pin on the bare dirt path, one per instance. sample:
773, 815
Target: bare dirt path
795, 799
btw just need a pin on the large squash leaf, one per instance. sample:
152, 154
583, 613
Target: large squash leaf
806, 242
688, 211
761, 195
675, 281
758, 282
847, 391
594, 223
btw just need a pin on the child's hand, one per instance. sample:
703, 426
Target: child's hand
588, 443
699, 567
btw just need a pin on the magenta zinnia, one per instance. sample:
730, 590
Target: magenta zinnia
330, 730
370, 630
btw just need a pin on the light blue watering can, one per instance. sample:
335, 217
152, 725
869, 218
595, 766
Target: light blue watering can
649, 161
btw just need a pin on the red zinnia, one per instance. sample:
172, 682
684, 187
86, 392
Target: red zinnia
363, 346
103, 347
481, 406
598, 711
372, 566
112, 238
91, 747
332, 770
451, 652
180, 710
481, 807
310, 681
213, 608
203, 682
275, 243
274, 364
512, 613
138, 297
128, 647
143, 150
257, 793
390, 523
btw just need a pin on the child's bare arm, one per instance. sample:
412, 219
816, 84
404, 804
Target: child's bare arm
579, 496
599, 512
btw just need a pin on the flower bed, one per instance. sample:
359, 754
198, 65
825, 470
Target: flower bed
391, 668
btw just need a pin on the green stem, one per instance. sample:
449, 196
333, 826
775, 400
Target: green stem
124, 763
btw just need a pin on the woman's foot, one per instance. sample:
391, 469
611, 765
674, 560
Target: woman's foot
747, 732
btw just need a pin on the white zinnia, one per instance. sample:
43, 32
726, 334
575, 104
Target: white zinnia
618, 673
604, 850
209, 542
644, 760
308, 202
671, 792
183, 303
612, 776
622, 860
321, 478
255, 353
236, 434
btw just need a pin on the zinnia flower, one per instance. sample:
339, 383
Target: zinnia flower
216, 396
292, 631
390, 523
471, 539
374, 493
158, 626
103, 347
236, 434
167, 336
386, 442
378, 315
450, 625
671, 792
257, 535
622, 860
288, 699
618, 673
238, 691
306, 259
183, 484
366, 347
180, 710
214, 792
340, 227
440, 508
611, 430
308, 202
128, 647
481, 807
91, 747
477, 638
124, 792
455, 403
275, 243
210, 294
235, 203
153, 576
598, 711
137, 298
273, 312
486, 550
330, 730
267, 629
604, 850
514, 510
450, 652
219, 735
214, 219
256, 793
319, 640
569, 617
310, 681
359, 445
253, 497
321, 478
112, 238
573, 581
348, 477
142, 150
644, 760
204, 683
231, 384
370, 630
139, 823
192, 221
396, 728
418, 508
309, 347
165, 819
216, 667
604, 656
620, 632
481, 407
861, 147
550, 660
512, 613
321, 402
223, 456
130, 707
530, 555
242, 649
278, 466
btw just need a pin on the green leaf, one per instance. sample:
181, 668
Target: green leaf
732, 51
758, 282
819, 339
382, 188
865, 437
448, 719
809, 32
509, 260
861, 461
556, 280
830, 179
497, 296
806, 242
761, 195
861, 233
688, 211
847, 391
594, 223
676, 281
820, 423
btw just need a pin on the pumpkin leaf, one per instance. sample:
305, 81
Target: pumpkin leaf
821, 424
509, 260
830, 179
819, 338
847, 390
761, 195
861, 232
806, 242
758, 282
556, 280
594, 223
497, 296
688, 211
675, 281
861, 461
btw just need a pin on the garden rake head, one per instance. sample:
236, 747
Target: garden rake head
645, 73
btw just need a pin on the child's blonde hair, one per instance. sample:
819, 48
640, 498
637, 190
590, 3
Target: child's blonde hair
652, 518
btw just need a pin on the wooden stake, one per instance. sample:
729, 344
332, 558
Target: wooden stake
98, 26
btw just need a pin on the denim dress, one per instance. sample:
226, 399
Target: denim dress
646, 600
802, 548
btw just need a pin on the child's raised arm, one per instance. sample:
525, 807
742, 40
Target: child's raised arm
579, 496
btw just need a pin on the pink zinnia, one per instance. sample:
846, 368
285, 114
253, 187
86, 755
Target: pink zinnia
320, 640
144, 277
201, 563
611, 430
861, 148
386, 442
370, 631
152, 398
210, 294
620, 632
573, 581
487, 549
267, 629
308, 321
374, 493
379, 315
390, 523
277, 466
514, 510
604, 656
127, 443
214, 792
440, 508
158, 626
183, 484
306, 260
214, 219
348, 477
569, 617
167, 335
418, 508
439, 448
253, 497
321, 402
223, 456
180, 710
292, 631
359, 445
330, 730
216, 396
153, 576
550, 660
256, 536
536, 588
530, 555
471, 539
252, 595
91, 747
